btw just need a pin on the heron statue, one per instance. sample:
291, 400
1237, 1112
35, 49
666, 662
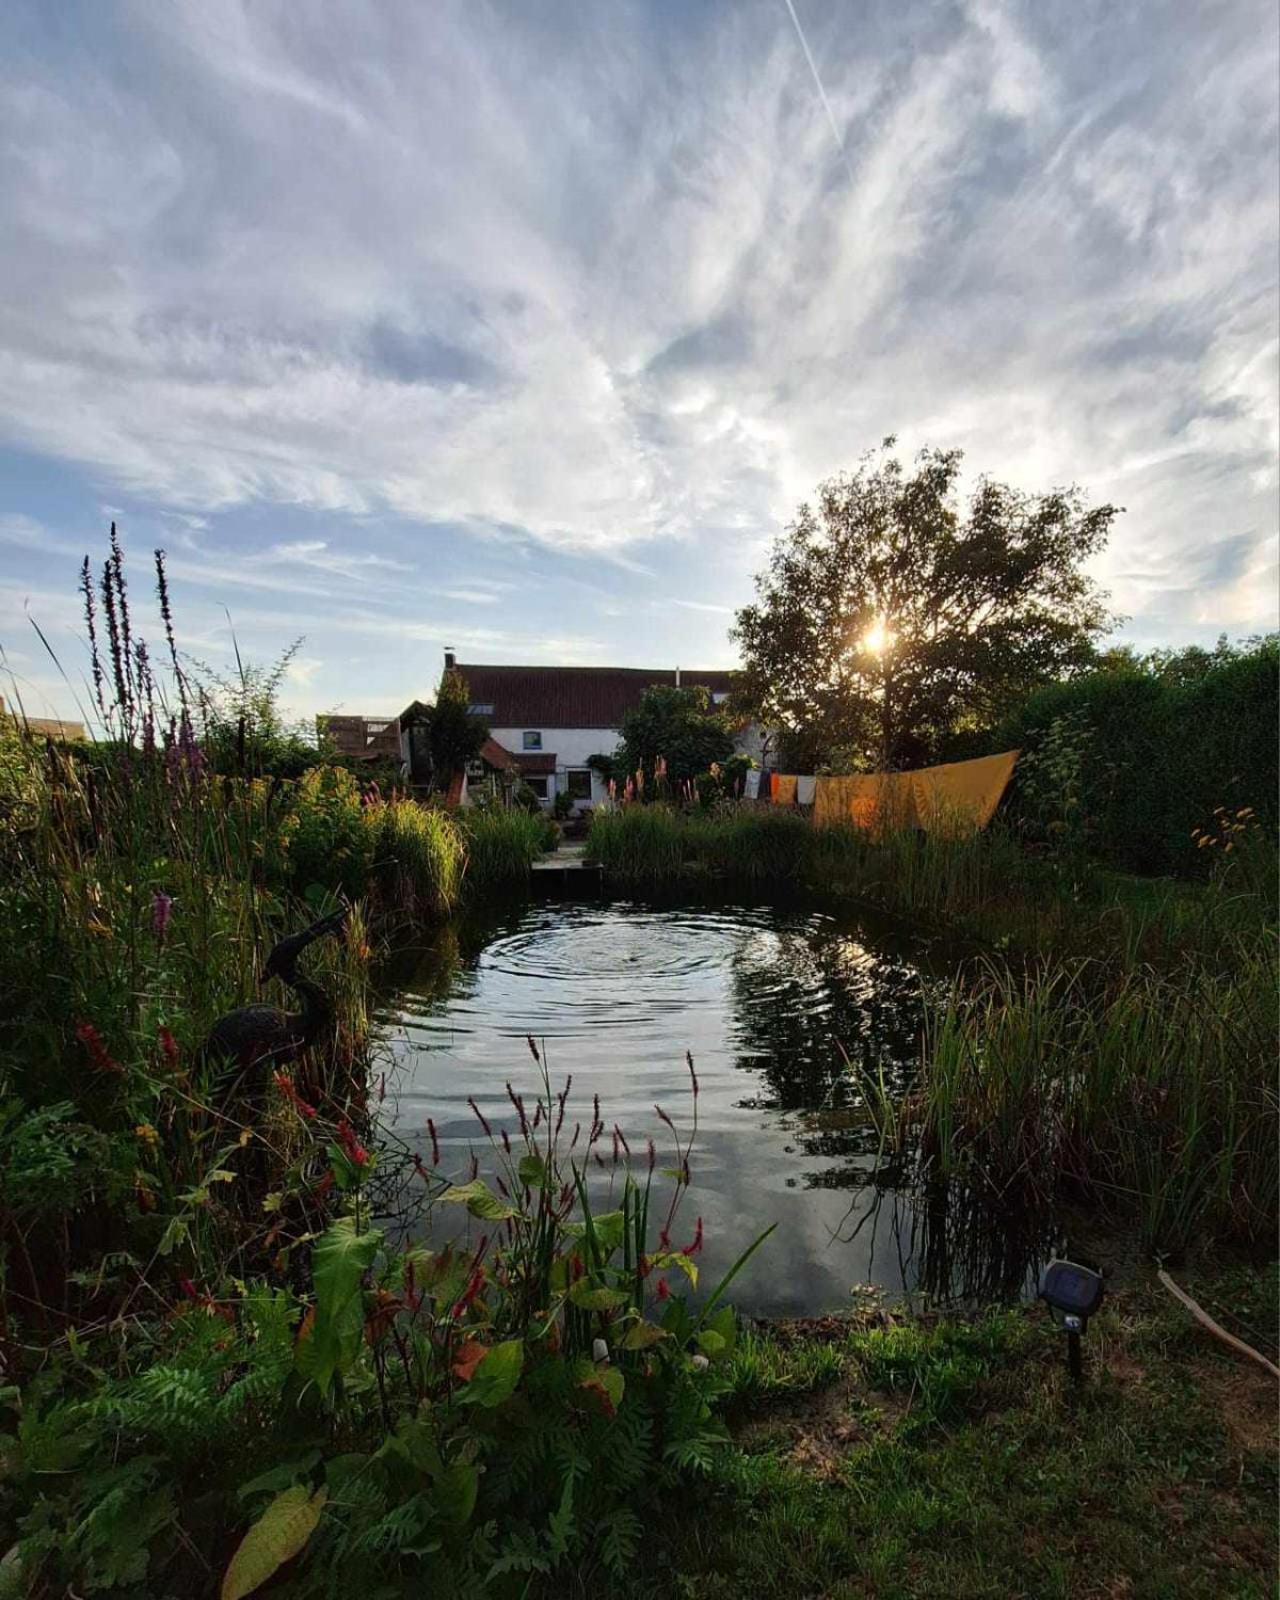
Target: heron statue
262, 1036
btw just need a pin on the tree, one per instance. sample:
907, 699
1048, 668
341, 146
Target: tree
678, 725
889, 617
454, 735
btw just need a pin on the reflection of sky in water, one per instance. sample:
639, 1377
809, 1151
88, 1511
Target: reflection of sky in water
765, 998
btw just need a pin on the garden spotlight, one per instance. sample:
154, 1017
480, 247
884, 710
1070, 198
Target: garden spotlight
1073, 1293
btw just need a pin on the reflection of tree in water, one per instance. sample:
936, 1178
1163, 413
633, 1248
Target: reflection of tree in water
807, 997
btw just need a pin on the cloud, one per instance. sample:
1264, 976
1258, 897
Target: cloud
599, 284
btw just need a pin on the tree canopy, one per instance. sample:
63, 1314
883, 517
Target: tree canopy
455, 735
678, 724
890, 616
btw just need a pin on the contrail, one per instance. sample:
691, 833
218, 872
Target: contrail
822, 93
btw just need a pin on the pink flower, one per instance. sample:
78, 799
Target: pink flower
288, 1089
161, 911
663, 1292
99, 1055
168, 1046
692, 1249
355, 1152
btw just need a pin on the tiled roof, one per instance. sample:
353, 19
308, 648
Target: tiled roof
571, 697
497, 755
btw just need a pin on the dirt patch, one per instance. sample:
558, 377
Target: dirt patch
814, 1432
1245, 1398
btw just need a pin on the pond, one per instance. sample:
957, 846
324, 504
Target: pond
780, 1008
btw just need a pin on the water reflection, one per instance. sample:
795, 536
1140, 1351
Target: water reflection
774, 1003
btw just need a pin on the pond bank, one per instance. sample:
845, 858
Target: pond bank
908, 1458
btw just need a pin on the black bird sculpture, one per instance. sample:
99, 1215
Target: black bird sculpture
261, 1039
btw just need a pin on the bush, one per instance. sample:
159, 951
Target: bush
419, 856
481, 1416
1165, 749
502, 845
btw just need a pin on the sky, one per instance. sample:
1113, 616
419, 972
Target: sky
524, 328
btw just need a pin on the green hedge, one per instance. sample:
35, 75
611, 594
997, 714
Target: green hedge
1168, 747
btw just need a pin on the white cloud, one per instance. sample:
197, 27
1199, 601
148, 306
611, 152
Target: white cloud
602, 281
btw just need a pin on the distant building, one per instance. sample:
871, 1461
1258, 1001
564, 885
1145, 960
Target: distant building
546, 722
362, 738
52, 727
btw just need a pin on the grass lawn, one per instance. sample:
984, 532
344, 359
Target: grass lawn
948, 1458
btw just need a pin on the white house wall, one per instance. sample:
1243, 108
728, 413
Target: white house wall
573, 747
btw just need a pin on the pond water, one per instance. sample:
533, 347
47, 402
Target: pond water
779, 1007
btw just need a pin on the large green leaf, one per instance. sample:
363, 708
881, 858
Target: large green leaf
455, 1490
533, 1171
643, 1335
495, 1379
587, 1297
276, 1537
479, 1200
339, 1262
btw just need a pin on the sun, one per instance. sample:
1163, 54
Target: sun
877, 638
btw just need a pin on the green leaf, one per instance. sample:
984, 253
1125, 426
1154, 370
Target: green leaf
456, 1487
643, 1335
533, 1171
276, 1537
176, 1232
495, 1379
587, 1297
608, 1228
338, 1265
479, 1200
282, 1477
711, 1343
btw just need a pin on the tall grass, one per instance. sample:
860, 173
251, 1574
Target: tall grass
419, 857
982, 886
1152, 1095
502, 846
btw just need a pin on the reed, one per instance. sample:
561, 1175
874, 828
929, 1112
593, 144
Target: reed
1151, 1095
501, 847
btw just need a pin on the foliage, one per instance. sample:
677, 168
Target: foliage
242, 729
455, 736
1145, 1092
965, 611
1171, 738
470, 1417
502, 845
678, 727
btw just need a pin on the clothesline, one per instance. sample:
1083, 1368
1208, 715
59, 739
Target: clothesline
955, 797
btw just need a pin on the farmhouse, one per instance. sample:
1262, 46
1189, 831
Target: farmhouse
545, 723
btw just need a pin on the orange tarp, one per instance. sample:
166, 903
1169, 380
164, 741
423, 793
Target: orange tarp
961, 796
784, 790
954, 798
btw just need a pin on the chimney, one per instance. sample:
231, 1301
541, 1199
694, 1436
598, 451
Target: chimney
450, 660
677, 677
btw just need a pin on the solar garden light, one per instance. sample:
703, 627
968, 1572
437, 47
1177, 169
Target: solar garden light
1073, 1293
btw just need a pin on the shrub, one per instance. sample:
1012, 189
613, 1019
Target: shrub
324, 837
1166, 748
502, 845
419, 856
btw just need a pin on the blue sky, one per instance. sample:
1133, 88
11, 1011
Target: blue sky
524, 327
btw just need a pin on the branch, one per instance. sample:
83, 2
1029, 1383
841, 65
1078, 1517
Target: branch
1215, 1328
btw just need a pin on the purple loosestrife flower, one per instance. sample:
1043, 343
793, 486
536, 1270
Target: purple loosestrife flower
161, 912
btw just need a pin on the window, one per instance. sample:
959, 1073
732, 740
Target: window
538, 783
718, 697
532, 739
580, 783
476, 709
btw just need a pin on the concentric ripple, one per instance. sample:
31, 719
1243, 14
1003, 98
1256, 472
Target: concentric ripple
778, 1008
